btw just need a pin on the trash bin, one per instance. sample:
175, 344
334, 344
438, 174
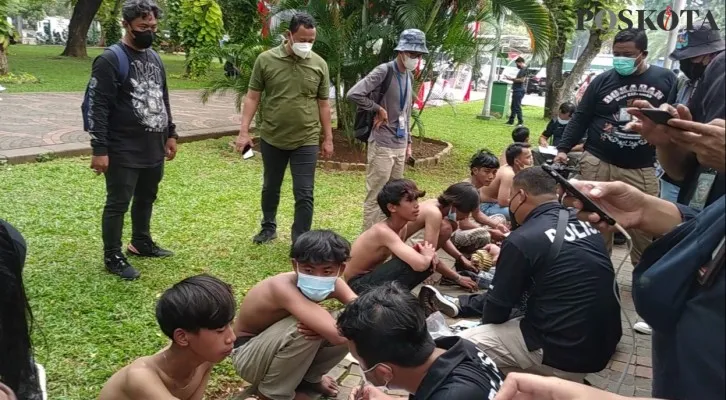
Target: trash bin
501, 96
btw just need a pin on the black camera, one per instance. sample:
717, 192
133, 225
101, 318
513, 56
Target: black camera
562, 169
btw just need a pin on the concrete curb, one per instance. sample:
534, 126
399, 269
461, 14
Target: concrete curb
64, 150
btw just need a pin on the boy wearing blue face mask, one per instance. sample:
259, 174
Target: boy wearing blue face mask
287, 342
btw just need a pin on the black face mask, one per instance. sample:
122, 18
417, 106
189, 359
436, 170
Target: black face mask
512, 214
694, 71
143, 39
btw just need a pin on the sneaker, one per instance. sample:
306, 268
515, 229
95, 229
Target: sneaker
448, 305
117, 264
149, 249
509, 123
642, 327
264, 236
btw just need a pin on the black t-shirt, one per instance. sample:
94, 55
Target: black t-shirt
463, 373
521, 74
555, 130
131, 122
601, 115
571, 310
706, 104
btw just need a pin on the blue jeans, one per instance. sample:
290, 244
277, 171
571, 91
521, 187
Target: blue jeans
490, 209
669, 191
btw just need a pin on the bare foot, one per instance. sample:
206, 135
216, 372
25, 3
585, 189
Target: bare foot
327, 386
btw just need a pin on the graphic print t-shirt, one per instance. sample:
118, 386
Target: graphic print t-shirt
602, 114
130, 122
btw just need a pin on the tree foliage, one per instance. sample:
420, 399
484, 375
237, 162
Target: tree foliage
241, 20
200, 26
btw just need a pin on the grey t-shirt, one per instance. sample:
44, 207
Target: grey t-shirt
385, 136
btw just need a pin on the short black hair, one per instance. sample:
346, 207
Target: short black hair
520, 134
396, 190
462, 195
637, 36
133, 9
519, 60
197, 302
301, 19
320, 246
484, 159
513, 151
535, 181
567, 107
387, 324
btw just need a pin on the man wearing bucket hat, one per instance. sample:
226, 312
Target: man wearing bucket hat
701, 56
387, 93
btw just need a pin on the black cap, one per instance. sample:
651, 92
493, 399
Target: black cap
697, 42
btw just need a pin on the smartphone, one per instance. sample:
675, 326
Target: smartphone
247, 152
411, 161
588, 205
656, 115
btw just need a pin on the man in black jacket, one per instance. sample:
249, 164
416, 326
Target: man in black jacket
387, 334
571, 321
131, 133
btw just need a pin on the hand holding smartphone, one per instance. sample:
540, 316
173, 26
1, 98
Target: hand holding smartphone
656, 115
588, 204
247, 152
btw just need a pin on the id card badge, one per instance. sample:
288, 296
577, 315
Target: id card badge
623, 115
703, 189
401, 131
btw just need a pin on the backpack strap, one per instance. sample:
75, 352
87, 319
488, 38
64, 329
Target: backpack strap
123, 62
559, 236
386, 82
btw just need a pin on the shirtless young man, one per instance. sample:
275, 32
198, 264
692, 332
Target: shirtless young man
439, 218
286, 342
409, 266
195, 314
483, 168
495, 197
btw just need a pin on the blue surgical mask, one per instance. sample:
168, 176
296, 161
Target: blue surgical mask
562, 121
316, 288
624, 65
452, 214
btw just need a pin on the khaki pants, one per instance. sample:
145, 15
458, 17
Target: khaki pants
277, 360
505, 345
383, 165
593, 169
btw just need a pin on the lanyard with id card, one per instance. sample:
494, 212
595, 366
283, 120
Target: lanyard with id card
402, 95
703, 189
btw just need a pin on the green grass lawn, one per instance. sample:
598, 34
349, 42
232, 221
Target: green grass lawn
67, 74
88, 323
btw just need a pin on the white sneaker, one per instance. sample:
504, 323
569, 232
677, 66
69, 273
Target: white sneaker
642, 327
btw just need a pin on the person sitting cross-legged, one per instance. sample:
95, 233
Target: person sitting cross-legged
557, 271
286, 341
387, 334
195, 314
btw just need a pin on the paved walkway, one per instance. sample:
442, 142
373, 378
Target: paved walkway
38, 123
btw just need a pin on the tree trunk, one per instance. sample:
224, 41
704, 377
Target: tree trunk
556, 89
83, 14
555, 82
4, 67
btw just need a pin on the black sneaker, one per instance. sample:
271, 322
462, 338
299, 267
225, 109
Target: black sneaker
149, 249
509, 123
265, 235
118, 265
448, 305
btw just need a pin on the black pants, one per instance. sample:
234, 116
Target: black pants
472, 305
516, 106
303, 161
392, 270
123, 184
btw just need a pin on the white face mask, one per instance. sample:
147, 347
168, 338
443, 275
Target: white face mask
410, 63
302, 50
562, 121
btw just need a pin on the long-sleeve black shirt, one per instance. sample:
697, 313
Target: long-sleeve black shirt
130, 122
601, 115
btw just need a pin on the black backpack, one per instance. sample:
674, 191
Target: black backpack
363, 124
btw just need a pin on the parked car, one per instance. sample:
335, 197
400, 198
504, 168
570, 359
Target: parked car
537, 81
